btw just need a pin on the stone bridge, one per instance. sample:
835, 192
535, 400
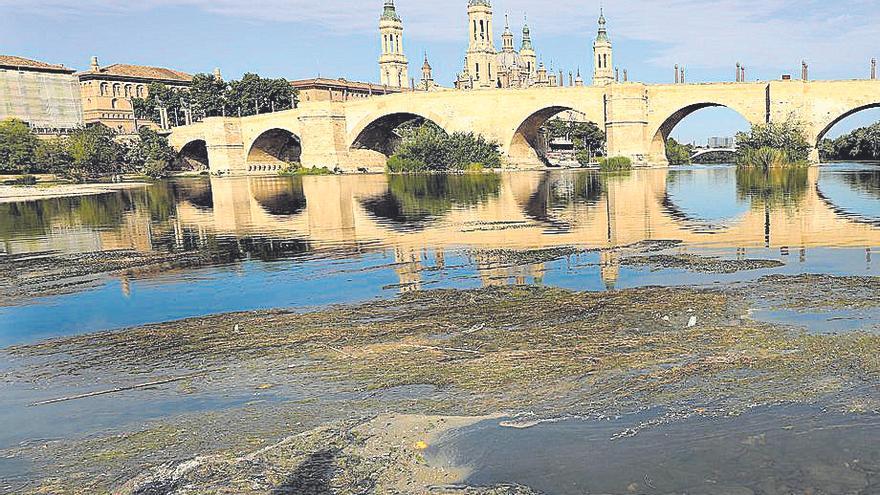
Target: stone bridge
637, 118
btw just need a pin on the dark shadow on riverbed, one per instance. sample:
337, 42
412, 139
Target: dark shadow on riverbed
772, 450
312, 477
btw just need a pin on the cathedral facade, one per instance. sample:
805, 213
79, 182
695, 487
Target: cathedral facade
485, 67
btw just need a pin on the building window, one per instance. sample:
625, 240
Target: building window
128, 90
478, 72
116, 89
104, 89
140, 91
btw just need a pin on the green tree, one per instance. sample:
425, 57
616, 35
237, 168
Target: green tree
677, 153
149, 155
788, 137
161, 96
93, 151
253, 94
586, 137
428, 147
17, 146
208, 96
860, 144
53, 155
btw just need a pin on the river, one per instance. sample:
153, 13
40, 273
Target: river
774, 272
312, 241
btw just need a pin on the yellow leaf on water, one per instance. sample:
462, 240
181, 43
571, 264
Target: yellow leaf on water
420, 445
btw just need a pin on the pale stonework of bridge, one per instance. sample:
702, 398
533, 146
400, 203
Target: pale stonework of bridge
638, 118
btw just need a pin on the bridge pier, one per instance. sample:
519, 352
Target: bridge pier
626, 125
226, 153
323, 134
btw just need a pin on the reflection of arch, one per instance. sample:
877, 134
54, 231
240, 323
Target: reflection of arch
664, 131
562, 192
273, 150
866, 182
281, 196
705, 218
377, 134
526, 146
193, 156
196, 191
836, 121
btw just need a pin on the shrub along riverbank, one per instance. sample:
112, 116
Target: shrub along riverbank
773, 145
87, 153
428, 148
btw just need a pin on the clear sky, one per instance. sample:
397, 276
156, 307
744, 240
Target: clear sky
339, 38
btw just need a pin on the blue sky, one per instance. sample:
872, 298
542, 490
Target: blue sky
338, 38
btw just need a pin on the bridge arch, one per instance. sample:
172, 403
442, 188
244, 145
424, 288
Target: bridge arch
374, 139
525, 145
376, 132
273, 149
663, 131
193, 156
824, 130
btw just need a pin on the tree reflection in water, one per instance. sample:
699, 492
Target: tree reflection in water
864, 181
413, 200
773, 188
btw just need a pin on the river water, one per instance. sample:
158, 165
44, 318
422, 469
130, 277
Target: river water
308, 242
311, 241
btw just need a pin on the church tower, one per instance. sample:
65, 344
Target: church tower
393, 67
527, 53
603, 65
481, 53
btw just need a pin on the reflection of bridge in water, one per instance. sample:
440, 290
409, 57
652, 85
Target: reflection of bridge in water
423, 218
521, 211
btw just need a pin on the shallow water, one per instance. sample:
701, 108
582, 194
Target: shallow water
768, 451
311, 241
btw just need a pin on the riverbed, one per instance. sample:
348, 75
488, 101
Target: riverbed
446, 334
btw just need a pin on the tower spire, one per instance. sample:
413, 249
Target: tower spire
507, 36
393, 66
603, 63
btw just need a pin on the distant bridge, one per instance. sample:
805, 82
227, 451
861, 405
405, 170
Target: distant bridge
705, 151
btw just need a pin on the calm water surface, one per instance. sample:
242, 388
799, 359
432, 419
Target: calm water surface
311, 241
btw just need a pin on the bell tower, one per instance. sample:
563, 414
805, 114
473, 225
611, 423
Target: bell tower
527, 53
603, 64
481, 55
393, 66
